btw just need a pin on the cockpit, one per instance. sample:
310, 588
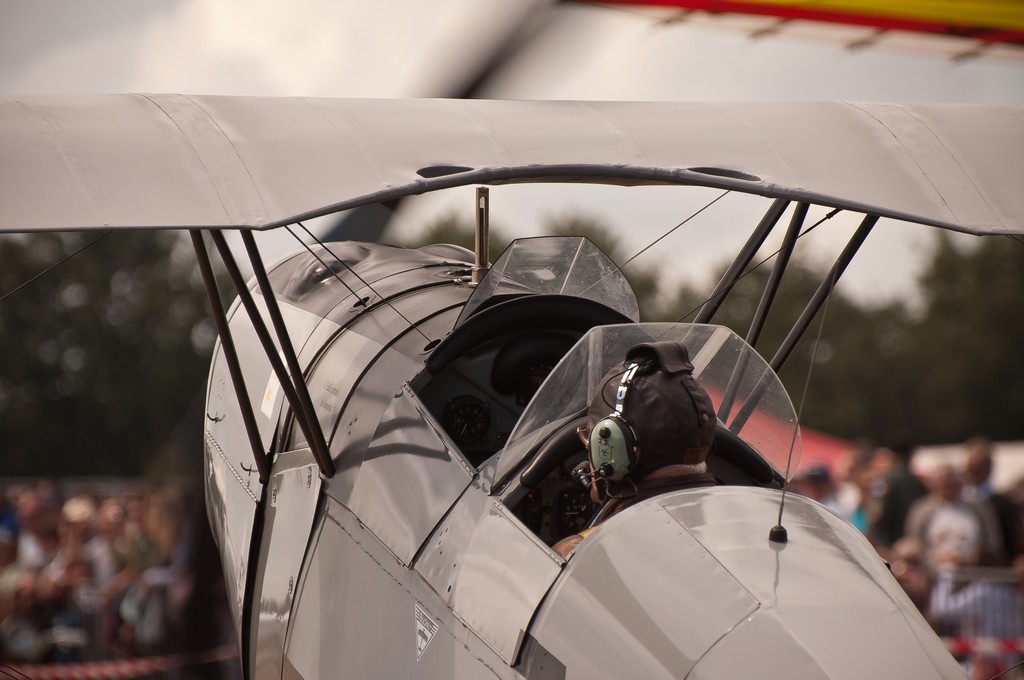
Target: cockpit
510, 385
531, 308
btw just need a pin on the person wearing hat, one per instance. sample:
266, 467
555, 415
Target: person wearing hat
649, 429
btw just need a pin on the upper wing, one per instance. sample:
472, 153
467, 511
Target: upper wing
177, 161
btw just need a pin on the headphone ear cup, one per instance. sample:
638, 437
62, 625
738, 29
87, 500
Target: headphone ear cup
613, 448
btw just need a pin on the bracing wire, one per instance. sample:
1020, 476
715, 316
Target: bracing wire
803, 395
1016, 665
316, 240
351, 271
757, 266
54, 266
324, 264
657, 240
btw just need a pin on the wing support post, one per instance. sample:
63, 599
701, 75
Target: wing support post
291, 379
304, 414
806, 317
743, 258
771, 287
824, 290
230, 355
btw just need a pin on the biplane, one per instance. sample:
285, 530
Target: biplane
390, 433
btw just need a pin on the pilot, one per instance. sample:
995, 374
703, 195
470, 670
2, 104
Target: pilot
649, 430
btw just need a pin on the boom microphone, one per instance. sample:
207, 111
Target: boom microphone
581, 473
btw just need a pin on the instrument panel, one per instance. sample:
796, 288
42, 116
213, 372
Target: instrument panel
560, 505
467, 420
479, 396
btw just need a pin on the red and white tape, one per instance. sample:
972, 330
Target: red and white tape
122, 669
969, 646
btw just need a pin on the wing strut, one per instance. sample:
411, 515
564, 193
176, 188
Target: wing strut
230, 355
294, 391
824, 290
812, 308
771, 287
743, 258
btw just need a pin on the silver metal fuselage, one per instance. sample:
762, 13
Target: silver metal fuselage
410, 563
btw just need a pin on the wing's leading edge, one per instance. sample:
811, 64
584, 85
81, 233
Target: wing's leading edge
177, 161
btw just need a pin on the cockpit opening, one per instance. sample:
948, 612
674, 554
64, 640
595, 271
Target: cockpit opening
536, 301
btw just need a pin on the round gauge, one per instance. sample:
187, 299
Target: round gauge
466, 419
531, 380
573, 511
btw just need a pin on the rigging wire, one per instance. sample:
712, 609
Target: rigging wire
778, 533
655, 241
1016, 665
757, 266
359, 301
803, 395
54, 266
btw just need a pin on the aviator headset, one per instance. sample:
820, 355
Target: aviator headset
614, 447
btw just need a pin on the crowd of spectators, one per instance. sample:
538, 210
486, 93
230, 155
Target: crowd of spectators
97, 576
954, 543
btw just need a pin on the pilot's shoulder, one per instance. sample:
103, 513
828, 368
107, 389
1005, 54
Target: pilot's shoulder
565, 547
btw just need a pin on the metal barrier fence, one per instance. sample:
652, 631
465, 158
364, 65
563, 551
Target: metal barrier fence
979, 613
124, 669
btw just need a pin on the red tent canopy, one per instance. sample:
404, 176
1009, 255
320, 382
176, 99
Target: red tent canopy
819, 448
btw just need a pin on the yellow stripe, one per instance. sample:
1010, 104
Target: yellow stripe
1004, 14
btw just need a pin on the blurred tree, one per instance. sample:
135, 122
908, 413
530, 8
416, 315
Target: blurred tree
940, 375
968, 343
102, 355
104, 360
858, 352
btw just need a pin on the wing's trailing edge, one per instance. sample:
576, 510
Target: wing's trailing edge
178, 161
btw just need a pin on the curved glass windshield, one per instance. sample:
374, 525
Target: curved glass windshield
555, 265
748, 397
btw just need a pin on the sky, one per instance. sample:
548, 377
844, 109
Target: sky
392, 48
